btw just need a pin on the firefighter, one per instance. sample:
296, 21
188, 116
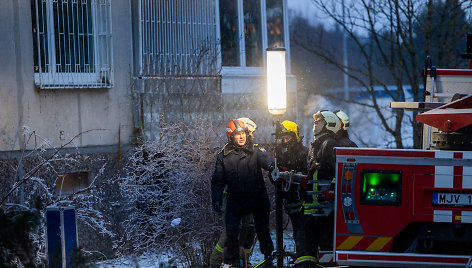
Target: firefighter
294, 157
238, 169
247, 222
321, 163
343, 136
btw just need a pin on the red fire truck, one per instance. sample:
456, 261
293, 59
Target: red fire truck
411, 208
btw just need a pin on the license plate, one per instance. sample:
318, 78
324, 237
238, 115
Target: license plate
452, 199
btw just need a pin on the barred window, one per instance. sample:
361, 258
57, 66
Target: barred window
178, 38
72, 43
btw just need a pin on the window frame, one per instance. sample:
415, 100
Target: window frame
72, 186
51, 78
244, 70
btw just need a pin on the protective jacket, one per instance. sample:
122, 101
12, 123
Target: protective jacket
239, 168
294, 158
322, 153
343, 139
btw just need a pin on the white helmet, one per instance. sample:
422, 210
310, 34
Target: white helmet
344, 118
332, 121
251, 126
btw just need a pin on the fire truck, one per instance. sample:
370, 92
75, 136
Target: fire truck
411, 207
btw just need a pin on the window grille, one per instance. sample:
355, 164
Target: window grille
72, 43
178, 38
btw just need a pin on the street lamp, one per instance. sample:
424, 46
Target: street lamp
277, 105
276, 81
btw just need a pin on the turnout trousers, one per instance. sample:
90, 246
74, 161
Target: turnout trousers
235, 210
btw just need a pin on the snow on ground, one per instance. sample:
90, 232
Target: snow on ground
165, 260
143, 261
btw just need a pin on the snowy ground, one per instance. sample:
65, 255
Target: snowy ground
148, 261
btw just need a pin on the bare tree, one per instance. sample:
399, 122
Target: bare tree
23, 198
167, 185
384, 35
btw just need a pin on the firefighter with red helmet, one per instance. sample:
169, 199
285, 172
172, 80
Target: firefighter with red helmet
293, 157
247, 235
342, 136
238, 169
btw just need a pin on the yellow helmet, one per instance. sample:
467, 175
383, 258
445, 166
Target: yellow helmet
251, 126
290, 127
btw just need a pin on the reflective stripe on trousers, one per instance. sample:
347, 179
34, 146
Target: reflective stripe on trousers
306, 209
219, 248
305, 258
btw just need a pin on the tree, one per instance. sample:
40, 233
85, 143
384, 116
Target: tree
386, 35
167, 187
23, 198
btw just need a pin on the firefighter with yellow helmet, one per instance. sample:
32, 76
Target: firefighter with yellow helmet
293, 157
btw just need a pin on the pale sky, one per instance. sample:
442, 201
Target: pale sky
306, 9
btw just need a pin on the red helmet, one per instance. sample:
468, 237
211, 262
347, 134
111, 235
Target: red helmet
235, 126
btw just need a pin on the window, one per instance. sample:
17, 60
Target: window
178, 38
380, 187
275, 23
247, 28
71, 183
72, 43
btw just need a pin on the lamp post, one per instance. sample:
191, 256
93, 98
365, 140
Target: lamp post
277, 105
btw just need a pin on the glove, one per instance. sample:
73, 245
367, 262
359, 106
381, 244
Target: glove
217, 207
327, 195
304, 183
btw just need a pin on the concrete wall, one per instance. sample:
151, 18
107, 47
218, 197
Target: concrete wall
60, 114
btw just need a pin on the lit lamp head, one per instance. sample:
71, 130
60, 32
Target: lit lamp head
276, 81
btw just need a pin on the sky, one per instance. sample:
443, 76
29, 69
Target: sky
306, 8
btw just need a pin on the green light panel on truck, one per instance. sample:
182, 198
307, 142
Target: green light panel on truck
380, 187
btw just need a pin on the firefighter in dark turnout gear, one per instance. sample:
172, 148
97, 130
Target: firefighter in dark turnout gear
293, 157
238, 168
342, 136
321, 170
247, 234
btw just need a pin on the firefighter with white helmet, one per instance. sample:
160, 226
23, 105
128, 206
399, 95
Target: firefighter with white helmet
247, 235
321, 163
342, 135
251, 126
238, 169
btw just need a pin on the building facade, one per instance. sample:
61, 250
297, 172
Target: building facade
93, 75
